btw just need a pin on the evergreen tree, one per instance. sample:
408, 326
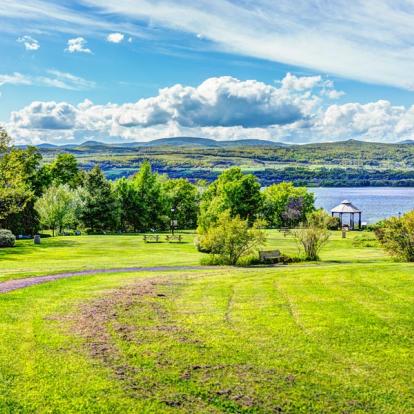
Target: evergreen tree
100, 208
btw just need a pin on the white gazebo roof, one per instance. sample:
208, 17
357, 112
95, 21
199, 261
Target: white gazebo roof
346, 207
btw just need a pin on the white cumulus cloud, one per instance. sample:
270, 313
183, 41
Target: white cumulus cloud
29, 43
115, 37
77, 45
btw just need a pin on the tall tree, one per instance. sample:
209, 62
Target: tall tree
233, 191
183, 197
129, 203
21, 175
100, 207
286, 205
151, 209
56, 208
65, 170
18, 178
5, 140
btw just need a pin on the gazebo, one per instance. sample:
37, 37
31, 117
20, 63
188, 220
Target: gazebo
346, 207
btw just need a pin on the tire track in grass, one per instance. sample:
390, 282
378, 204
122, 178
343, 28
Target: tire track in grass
227, 316
324, 349
291, 308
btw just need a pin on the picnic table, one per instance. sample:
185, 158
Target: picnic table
151, 238
172, 238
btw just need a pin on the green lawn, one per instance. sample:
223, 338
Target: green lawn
60, 254
330, 338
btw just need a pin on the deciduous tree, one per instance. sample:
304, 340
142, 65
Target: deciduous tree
56, 208
233, 191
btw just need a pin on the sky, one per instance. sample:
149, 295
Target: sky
135, 70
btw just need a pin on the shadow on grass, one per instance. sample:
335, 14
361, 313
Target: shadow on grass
27, 247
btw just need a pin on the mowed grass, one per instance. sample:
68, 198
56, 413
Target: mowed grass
60, 254
331, 339
76, 253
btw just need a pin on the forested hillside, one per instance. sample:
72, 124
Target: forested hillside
347, 163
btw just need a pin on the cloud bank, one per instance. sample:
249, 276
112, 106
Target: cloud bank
295, 109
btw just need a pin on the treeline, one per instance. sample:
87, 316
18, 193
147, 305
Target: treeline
310, 177
59, 195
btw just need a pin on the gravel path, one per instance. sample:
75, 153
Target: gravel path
15, 284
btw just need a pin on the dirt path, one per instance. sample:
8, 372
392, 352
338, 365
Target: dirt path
15, 284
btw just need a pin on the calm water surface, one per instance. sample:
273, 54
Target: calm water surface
376, 203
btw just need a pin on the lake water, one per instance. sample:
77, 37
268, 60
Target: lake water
376, 203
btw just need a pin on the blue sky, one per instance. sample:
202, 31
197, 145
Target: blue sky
310, 71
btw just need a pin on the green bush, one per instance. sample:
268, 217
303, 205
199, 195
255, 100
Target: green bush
231, 239
333, 223
396, 236
312, 236
7, 238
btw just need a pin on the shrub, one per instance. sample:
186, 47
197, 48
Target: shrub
334, 223
396, 236
312, 236
231, 239
7, 238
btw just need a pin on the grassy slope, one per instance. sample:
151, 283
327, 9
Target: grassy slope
335, 339
331, 338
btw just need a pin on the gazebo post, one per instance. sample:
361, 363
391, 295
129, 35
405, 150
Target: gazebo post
352, 221
360, 221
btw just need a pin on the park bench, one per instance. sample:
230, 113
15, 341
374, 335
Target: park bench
172, 238
269, 256
151, 238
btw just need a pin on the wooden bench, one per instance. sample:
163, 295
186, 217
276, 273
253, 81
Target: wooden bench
173, 238
271, 256
151, 238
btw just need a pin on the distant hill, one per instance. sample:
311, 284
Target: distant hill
92, 143
407, 142
210, 143
183, 142
45, 145
193, 142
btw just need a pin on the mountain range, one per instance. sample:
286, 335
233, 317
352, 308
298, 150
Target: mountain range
195, 142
